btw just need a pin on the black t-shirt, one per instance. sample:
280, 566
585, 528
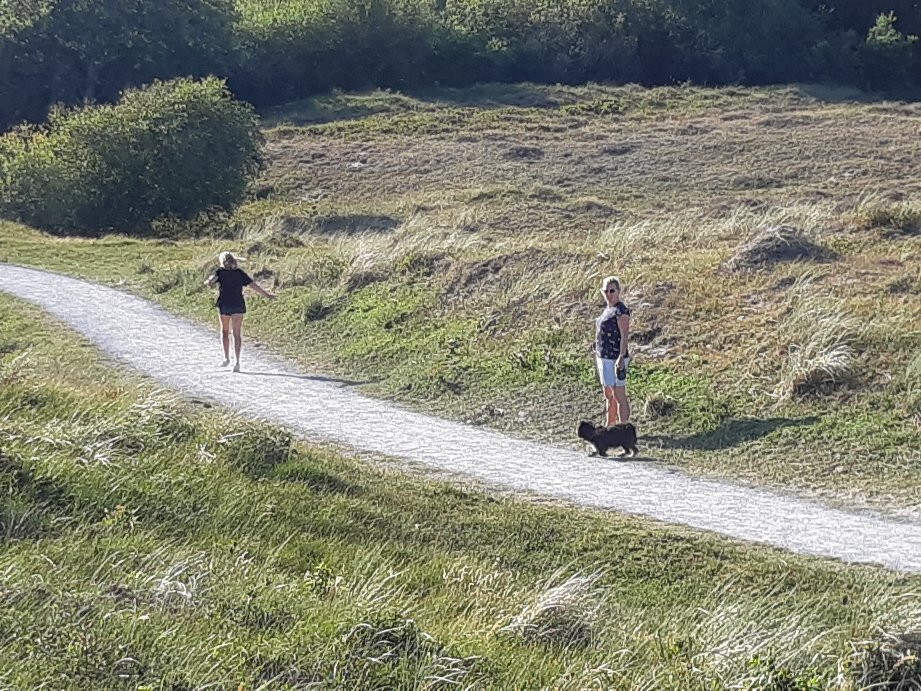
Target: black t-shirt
231, 282
607, 333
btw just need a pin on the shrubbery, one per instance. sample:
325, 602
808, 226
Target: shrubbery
74, 51
71, 51
172, 150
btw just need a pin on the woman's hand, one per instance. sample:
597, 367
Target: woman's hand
619, 364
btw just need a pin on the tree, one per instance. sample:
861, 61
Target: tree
173, 150
887, 55
73, 51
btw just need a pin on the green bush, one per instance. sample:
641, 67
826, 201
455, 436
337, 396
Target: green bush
887, 55
173, 150
293, 48
74, 51
546, 40
258, 449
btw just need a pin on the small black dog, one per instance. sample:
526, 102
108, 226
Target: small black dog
604, 438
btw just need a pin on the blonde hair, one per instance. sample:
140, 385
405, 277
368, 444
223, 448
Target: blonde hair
227, 260
608, 282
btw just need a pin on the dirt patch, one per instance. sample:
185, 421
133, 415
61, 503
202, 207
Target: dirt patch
652, 313
263, 274
594, 207
354, 223
287, 231
473, 275
753, 182
361, 279
523, 153
618, 149
659, 406
424, 263
775, 244
271, 232
724, 208
892, 662
904, 285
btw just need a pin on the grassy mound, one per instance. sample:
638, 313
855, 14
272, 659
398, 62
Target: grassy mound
774, 244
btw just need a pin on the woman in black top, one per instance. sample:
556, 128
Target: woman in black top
230, 303
612, 356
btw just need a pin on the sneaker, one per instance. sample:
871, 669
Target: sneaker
236, 367
225, 363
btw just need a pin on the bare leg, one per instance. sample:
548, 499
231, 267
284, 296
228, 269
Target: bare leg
611, 405
623, 403
225, 336
237, 324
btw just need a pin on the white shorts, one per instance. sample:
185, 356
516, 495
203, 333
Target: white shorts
607, 373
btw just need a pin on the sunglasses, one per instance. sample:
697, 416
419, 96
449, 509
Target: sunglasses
611, 290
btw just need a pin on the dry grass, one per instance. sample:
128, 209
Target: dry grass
564, 613
820, 335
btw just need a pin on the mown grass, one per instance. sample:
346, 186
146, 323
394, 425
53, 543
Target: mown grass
149, 542
457, 270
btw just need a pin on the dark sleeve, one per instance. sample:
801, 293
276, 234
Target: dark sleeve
623, 311
246, 280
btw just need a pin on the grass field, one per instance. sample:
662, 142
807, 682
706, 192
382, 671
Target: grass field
152, 543
446, 247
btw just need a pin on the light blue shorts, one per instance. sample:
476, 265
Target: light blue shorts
607, 373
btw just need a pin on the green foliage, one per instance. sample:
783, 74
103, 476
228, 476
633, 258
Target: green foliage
546, 41
897, 220
72, 51
257, 449
171, 150
887, 55
768, 675
293, 48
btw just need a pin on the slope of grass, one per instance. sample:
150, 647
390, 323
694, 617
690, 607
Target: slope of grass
151, 543
456, 268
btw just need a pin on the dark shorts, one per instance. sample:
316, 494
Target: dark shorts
227, 310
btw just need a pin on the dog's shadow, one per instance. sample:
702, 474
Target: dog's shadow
622, 457
731, 433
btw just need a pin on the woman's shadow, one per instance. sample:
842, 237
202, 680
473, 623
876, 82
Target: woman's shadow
307, 377
731, 433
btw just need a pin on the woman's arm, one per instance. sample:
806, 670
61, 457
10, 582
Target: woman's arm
623, 323
211, 281
259, 289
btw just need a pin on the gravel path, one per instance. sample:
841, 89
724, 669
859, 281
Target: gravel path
185, 357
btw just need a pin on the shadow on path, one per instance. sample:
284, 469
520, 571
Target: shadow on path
730, 433
309, 377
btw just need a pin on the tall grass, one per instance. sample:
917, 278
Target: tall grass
820, 336
195, 556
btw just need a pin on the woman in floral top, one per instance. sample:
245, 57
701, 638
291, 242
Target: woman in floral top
612, 329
